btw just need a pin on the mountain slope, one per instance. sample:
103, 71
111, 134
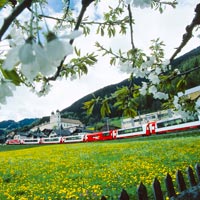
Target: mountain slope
8, 125
76, 110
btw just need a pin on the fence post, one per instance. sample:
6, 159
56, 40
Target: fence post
158, 195
124, 195
169, 185
197, 168
180, 181
191, 177
142, 192
157, 191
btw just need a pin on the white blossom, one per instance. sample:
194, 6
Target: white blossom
176, 71
197, 104
154, 78
139, 73
161, 95
176, 99
166, 62
16, 42
57, 49
12, 58
166, 65
139, 3
152, 89
143, 89
164, 68
6, 90
17, 37
125, 67
148, 64
158, 70
30, 70
72, 35
180, 94
33, 58
27, 54
176, 103
184, 114
45, 67
45, 89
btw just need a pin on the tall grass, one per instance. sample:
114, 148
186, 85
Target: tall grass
90, 170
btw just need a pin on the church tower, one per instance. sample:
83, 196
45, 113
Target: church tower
55, 119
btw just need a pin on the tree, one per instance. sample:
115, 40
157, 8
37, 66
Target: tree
39, 54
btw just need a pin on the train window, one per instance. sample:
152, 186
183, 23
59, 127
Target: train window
194, 118
30, 140
51, 139
131, 130
73, 138
170, 123
105, 134
160, 124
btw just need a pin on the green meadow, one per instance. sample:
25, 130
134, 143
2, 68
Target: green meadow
91, 170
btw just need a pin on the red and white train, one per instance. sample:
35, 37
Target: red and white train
173, 124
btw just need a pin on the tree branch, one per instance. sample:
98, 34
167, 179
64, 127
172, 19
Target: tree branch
85, 4
188, 35
8, 21
131, 26
117, 22
184, 73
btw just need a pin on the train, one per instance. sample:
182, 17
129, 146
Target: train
162, 126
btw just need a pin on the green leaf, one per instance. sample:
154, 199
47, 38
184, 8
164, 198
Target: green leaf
181, 84
2, 3
129, 112
113, 61
119, 105
89, 105
12, 75
102, 31
121, 92
77, 51
105, 109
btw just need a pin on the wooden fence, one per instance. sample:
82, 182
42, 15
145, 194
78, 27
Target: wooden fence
192, 193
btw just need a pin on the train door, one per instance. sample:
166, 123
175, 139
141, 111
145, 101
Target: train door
151, 128
114, 134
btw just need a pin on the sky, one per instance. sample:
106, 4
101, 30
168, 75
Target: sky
149, 24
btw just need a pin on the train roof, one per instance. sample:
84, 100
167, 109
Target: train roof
192, 93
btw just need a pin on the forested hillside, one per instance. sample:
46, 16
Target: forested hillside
9, 125
146, 104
